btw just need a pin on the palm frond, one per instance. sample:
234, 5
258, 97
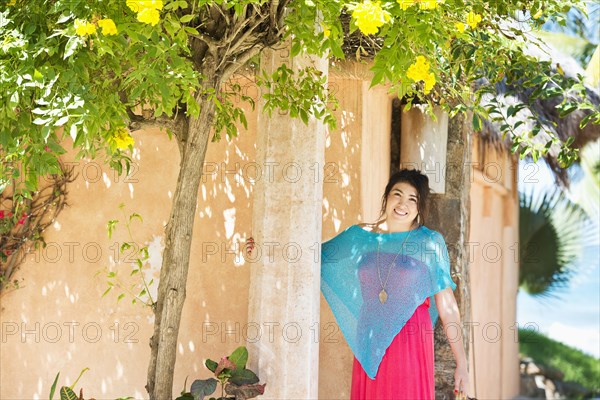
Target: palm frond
552, 232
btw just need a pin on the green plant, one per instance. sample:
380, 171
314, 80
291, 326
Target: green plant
25, 216
134, 255
66, 392
235, 379
575, 364
551, 231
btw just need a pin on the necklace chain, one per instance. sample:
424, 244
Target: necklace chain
383, 296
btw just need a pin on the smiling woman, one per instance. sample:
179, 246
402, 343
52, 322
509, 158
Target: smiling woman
385, 303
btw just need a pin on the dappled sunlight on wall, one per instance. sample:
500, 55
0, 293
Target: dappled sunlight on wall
58, 321
340, 174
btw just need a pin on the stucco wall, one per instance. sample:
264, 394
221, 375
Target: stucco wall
58, 320
493, 248
68, 326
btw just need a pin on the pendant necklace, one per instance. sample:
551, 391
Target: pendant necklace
383, 295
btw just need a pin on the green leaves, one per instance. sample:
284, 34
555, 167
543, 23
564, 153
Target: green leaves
302, 93
233, 376
239, 357
55, 83
201, 388
552, 229
66, 393
136, 284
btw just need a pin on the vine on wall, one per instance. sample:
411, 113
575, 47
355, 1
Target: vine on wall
23, 220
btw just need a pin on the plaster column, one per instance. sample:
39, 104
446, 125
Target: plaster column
284, 295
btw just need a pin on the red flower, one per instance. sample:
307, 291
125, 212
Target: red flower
7, 252
22, 220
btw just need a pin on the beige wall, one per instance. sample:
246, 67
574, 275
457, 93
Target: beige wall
494, 273
60, 298
61, 293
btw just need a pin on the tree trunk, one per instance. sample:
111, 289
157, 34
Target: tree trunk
175, 263
454, 202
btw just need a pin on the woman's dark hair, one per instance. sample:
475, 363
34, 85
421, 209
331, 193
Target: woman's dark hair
417, 180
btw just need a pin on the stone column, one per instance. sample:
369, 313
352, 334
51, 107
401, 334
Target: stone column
450, 214
284, 299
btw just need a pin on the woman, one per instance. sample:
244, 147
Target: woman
386, 282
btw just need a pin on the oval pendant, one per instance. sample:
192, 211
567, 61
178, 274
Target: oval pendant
383, 296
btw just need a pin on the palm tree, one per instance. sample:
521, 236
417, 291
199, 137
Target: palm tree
553, 228
550, 241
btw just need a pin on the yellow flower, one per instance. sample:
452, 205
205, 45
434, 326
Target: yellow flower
83, 28
405, 4
154, 4
419, 71
369, 16
429, 82
139, 5
108, 26
121, 138
149, 16
133, 5
537, 15
326, 30
11, 3
460, 27
147, 10
473, 19
427, 4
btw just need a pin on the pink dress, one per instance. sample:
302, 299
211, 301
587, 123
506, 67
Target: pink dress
406, 370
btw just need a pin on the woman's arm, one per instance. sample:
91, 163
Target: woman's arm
450, 316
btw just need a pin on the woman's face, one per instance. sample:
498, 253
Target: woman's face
401, 208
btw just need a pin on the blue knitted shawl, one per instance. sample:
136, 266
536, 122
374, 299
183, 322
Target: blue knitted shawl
351, 283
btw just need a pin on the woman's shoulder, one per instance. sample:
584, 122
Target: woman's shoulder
432, 234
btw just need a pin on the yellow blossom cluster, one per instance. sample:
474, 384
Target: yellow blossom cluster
419, 71
423, 4
121, 138
472, 20
83, 28
147, 10
369, 16
108, 26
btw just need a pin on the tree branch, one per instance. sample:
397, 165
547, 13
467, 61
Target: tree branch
211, 43
239, 61
240, 41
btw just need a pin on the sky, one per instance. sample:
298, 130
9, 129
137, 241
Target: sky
572, 316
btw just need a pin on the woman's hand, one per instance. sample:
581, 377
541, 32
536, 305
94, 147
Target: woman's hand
448, 310
461, 382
